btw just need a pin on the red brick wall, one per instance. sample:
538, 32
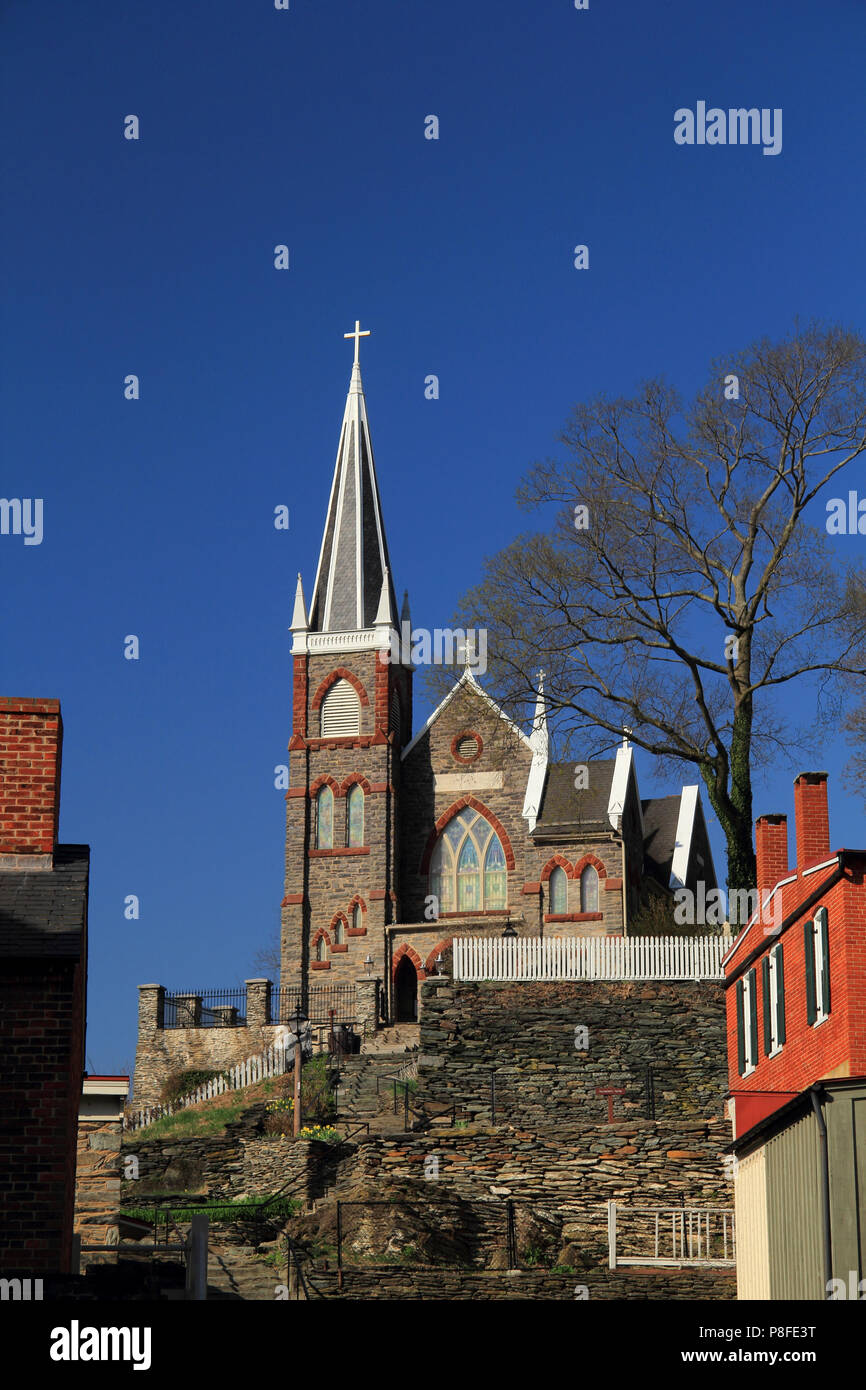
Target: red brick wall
42, 1040
31, 737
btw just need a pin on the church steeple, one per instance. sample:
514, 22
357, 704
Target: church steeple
353, 562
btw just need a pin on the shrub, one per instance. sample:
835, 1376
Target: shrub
181, 1083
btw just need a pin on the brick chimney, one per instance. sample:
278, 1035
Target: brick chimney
31, 740
771, 851
812, 818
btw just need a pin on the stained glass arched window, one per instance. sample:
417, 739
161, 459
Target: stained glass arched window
589, 889
558, 890
325, 818
467, 869
355, 816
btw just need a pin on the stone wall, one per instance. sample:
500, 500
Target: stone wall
593, 1284
525, 1034
161, 1051
230, 1166
97, 1185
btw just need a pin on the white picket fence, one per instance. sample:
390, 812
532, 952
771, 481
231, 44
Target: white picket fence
274, 1061
590, 957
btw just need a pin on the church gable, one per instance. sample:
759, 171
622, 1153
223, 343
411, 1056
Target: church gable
468, 759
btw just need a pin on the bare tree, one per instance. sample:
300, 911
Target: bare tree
692, 587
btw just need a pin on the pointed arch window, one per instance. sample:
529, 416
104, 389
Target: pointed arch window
341, 711
589, 889
339, 932
558, 891
357, 916
325, 818
355, 816
320, 948
467, 868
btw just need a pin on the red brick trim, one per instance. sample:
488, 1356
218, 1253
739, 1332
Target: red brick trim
531, 888
439, 950
299, 699
320, 965
323, 935
355, 779
381, 787
377, 894
340, 673
356, 931
350, 741
338, 917
292, 898
587, 861
325, 780
479, 747
406, 950
297, 743
332, 853
448, 815
295, 791
612, 885
574, 916
335, 949
557, 862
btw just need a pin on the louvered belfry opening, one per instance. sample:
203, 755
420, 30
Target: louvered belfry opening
341, 711
467, 747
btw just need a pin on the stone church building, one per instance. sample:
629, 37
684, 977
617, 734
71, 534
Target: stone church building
397, 841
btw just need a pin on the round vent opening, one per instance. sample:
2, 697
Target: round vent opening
466, 748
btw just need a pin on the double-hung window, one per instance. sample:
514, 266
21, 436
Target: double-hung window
816, 946
773, 992
747, 1023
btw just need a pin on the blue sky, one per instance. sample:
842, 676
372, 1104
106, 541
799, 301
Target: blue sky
155, 257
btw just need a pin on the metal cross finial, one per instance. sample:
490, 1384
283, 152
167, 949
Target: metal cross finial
358, 334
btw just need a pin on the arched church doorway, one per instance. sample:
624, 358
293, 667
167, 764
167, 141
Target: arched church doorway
406, 992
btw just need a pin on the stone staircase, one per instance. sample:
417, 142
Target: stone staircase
235, 1275
399, 1037
366, 1092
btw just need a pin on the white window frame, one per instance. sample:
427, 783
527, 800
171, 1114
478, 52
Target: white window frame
750, 1017
819, 934
775, 1045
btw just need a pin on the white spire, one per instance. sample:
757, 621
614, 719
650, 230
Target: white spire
384, 613
299, 622
354, 553
539, 742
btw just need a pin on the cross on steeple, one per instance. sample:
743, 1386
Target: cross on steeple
358, 334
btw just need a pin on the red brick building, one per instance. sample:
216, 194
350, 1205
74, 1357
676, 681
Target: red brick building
43, 970
796, 981
395, 841
795, 986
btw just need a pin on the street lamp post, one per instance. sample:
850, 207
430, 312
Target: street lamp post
296, 1021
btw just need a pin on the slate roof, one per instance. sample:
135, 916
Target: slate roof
354, 546
660, 819
564, 809
44, 912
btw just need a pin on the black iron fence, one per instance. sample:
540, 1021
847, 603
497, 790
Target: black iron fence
318, 1003
213, 1008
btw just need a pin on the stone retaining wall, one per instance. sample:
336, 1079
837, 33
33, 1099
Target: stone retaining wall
529, 1035
661, 1284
